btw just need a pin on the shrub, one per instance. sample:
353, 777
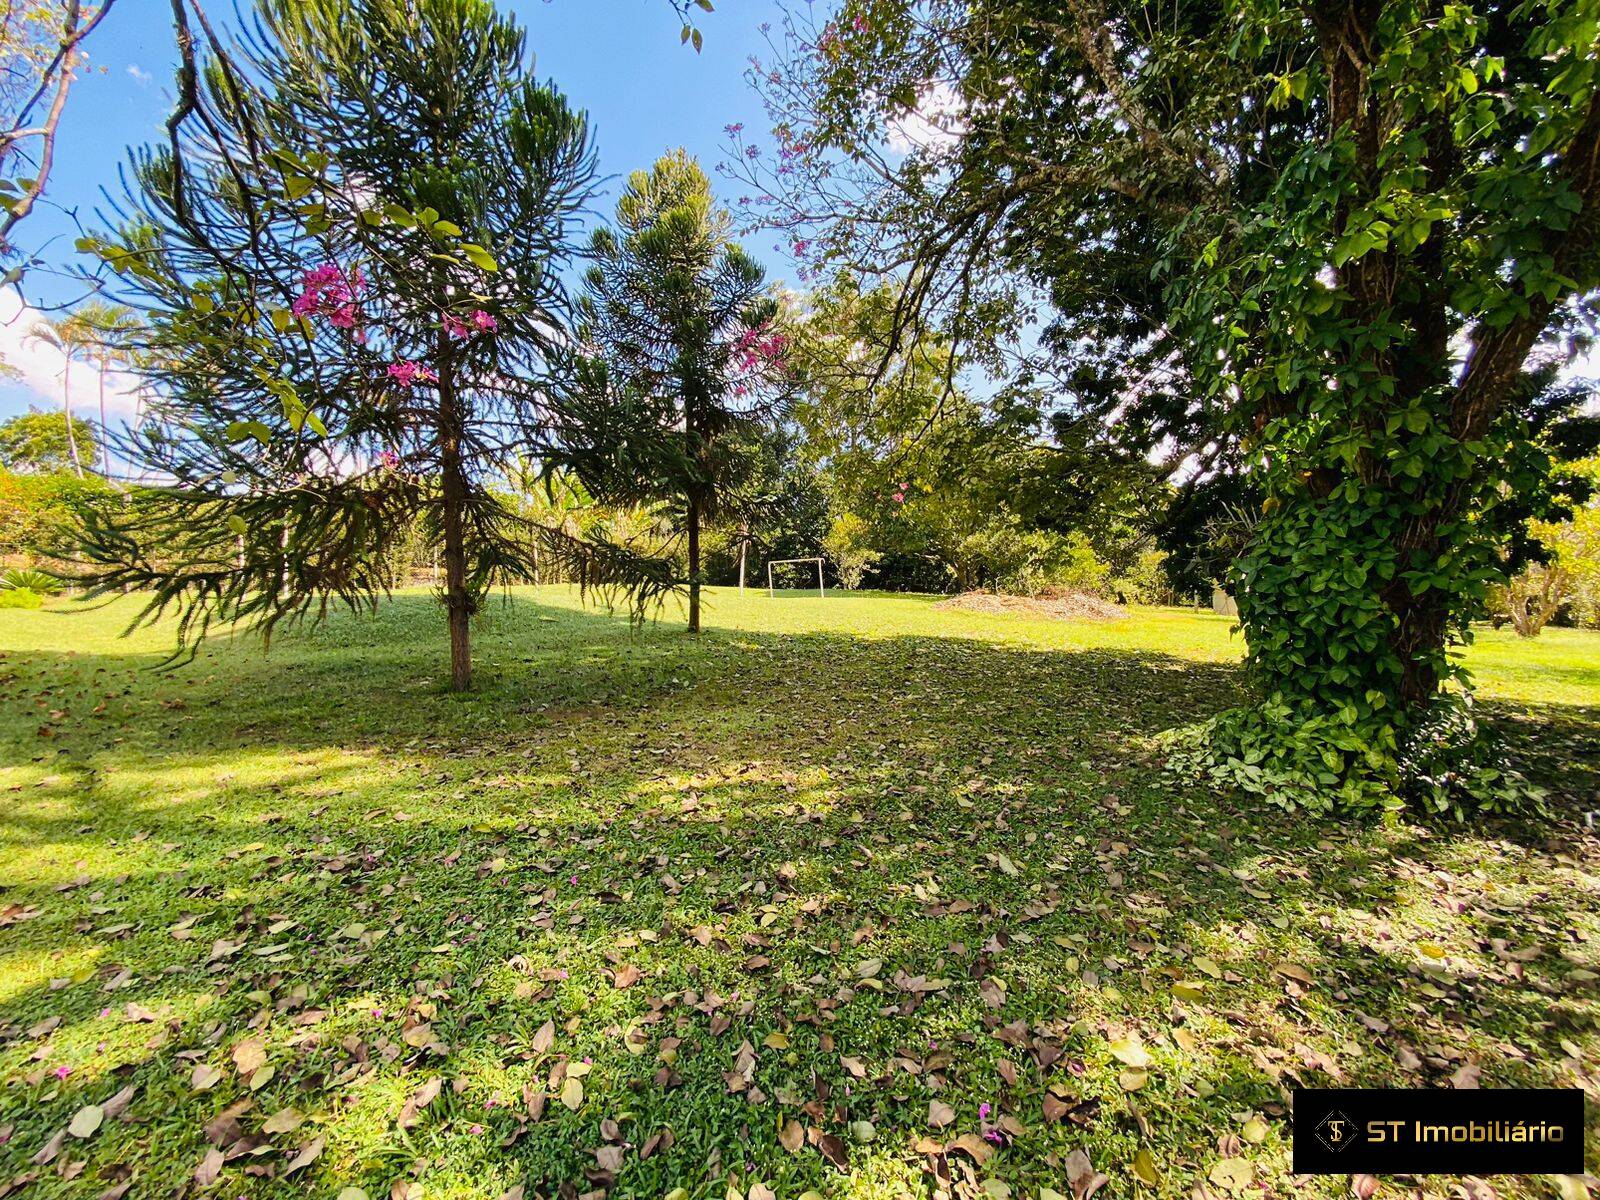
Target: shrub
1147, 581
848, 544
18, 597
30, 579
39, 514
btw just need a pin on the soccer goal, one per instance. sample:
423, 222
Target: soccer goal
822, 589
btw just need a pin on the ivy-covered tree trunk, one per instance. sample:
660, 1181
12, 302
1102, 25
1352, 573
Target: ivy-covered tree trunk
1430, 210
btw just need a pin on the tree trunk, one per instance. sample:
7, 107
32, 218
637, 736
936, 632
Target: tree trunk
66, 406
744, 549
694, 565
453, 495
105, 441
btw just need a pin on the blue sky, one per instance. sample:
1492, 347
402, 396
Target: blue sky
619, 59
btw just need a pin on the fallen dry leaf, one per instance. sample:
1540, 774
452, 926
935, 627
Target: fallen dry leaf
1082, 1178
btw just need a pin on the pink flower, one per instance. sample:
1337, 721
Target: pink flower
62, 1072
479, 322
983, 1111
861, 25
475, 1130
333, 292
408, 374
899, 497
389, 460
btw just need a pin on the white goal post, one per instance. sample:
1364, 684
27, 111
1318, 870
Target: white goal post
822, 589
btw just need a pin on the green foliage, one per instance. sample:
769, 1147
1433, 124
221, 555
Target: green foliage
1004, 556
36, 441
1444, 764
1263, 235
1377, 537
848, 547
41, 514
1147, 580
686, 364
951, 491
32, 579
20, 597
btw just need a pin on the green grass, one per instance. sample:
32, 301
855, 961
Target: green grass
833, 862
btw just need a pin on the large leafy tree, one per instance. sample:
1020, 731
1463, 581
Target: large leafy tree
927, 467
1316, 243
686, 355
39, 442
349, 263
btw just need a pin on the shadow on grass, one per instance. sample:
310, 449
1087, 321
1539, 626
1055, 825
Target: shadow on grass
321, 851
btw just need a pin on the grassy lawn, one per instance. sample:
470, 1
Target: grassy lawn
851, 896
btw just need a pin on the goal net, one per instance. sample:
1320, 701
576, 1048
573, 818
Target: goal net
772, 590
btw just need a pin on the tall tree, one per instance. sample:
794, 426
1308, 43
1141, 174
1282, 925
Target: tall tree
349, 261
685, 349
1259, 233
106, 332
71, 339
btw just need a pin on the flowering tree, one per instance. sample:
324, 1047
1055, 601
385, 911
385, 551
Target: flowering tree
684, 349
349, 264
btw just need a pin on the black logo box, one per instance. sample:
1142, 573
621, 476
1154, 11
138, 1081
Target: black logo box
1422, 1131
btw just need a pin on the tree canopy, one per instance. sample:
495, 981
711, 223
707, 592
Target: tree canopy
37, 441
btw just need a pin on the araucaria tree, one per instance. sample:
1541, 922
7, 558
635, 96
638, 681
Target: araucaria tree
683, 349
348, 262
1318, 244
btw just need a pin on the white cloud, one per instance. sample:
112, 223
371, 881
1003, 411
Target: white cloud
936, 122
41, 366
139, 75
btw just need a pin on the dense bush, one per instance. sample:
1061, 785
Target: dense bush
40, 512
30, 579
